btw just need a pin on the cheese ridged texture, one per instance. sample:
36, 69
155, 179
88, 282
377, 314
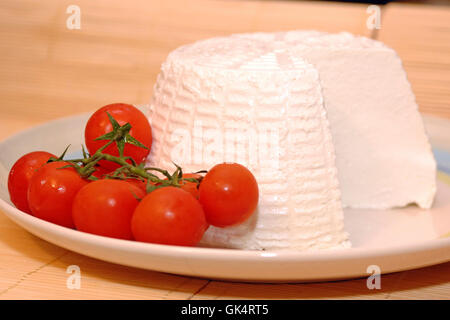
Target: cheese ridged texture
251, 101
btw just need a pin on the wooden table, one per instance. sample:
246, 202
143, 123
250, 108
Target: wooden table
49, 71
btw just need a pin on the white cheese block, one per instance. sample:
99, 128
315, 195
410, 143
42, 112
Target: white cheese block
243, 100
270, 101
383, 155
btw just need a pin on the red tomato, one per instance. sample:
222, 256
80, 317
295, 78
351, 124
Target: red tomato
105, 208
142, 184
100, 172
51, 193
138, 183
229, 194
99, 124
191, 187
169, 215
188, 186
20, 176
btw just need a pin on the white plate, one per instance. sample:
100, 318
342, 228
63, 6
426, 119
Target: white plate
394, 240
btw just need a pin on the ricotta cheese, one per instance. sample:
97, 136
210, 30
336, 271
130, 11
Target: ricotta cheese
242, 100
312, 115
383, 156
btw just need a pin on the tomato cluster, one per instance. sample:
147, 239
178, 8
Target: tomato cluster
111, 193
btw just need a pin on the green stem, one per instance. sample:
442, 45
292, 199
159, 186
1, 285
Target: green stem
86, 166
138, 171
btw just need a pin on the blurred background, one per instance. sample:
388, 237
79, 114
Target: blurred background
52, 69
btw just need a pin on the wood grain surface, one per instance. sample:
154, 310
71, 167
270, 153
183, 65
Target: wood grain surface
49, 71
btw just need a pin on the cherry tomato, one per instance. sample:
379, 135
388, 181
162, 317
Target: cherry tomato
100, 172
169, 215
99, 124
20, 176
138, 183
51, 193
188, 186
229, 194
142, 184
105, 208
191, 187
